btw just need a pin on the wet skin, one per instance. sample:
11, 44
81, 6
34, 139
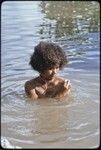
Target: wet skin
47, 85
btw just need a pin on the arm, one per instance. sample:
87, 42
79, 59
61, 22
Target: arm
30, 91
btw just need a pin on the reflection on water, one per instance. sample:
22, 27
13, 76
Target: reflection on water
72, 122
70, 18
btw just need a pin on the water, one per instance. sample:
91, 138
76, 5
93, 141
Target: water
74, 121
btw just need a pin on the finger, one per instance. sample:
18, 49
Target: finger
67, 83
68, 87
68, 90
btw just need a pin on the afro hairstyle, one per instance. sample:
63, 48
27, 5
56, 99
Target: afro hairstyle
46, 55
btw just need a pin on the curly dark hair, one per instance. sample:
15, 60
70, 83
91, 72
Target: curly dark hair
46, 55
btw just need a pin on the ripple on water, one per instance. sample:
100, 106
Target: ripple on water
72, 122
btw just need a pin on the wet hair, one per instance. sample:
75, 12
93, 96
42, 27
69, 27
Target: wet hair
46, 55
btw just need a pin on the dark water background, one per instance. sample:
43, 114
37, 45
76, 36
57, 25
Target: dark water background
73, 122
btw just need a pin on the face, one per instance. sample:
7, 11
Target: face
50, 73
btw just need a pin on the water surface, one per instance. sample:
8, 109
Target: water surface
72, 122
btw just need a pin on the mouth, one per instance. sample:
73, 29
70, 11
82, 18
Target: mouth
52, 75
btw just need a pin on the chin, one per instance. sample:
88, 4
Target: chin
51, 77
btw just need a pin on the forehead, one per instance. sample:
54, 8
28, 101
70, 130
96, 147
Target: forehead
54, 67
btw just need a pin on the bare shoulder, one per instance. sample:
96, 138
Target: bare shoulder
27, 84
30, 85
30, 88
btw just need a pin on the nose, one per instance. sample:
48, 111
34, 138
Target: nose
54, 71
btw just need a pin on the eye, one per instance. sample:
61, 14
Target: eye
57, 68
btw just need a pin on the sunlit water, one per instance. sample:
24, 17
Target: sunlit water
70, 123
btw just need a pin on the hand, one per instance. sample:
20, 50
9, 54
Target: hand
67, 85
64, 87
